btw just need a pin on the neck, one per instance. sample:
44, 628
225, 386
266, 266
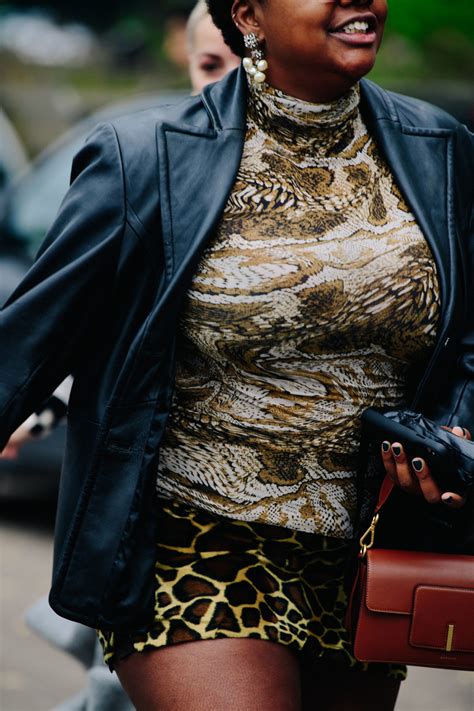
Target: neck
322, 92
297, 124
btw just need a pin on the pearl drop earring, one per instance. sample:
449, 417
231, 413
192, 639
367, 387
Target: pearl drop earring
257, 65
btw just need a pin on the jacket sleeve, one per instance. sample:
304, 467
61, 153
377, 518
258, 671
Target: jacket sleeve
452, 399
452, 396
65, 295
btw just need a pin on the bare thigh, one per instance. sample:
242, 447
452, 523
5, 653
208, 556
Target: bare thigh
218, 675
326, 687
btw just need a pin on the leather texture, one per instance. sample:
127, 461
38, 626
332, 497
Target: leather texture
102, 302
393, 575
459, 452
409, 602
435, 609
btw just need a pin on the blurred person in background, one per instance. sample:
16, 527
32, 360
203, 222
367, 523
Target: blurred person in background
206, 336
210, 59
175, 38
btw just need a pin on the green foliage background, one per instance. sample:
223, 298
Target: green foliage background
428, 40
420, 20
416, 19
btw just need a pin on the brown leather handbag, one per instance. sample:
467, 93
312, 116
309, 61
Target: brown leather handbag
412, 607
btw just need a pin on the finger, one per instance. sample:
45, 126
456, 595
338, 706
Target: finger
428, 486
389, 462
458, 431
454, 501
10, 452
461, 432
403, 470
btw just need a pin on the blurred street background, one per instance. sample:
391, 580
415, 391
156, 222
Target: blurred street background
59, 61
63, 68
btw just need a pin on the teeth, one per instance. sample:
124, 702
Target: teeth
355, 28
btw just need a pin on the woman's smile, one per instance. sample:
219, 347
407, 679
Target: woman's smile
359, 29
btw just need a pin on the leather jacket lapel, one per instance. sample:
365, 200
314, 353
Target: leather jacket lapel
197, 172
198, 166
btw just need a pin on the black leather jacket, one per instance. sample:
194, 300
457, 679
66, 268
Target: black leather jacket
103, 299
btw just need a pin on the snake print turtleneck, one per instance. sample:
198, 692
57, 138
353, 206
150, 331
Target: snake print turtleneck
314, 298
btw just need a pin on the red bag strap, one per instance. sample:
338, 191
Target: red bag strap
385, 491
367, 540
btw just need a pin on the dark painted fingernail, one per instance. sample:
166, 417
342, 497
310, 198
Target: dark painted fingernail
396, 449
386, 447
417, 465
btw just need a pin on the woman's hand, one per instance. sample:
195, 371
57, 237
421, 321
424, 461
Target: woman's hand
17, 440
415, 477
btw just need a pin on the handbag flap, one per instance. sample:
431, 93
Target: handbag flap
394, 575
443, 618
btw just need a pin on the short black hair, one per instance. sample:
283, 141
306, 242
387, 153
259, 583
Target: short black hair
221, 13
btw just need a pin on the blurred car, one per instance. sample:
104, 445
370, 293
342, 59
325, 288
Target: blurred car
27, 212
32, 202
12, 154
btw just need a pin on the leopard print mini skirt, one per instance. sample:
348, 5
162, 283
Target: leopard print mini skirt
216, 577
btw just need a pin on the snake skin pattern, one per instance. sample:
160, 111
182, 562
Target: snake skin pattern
314, 299
217, 578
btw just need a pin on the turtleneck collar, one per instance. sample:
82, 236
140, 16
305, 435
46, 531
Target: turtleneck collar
293, 121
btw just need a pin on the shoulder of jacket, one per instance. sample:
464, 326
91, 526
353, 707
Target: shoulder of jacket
133, 137
409, 111
129, 143
422, 114
137, 130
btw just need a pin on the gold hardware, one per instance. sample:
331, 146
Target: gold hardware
449, 641
370, 534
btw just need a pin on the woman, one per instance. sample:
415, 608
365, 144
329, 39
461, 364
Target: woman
293, 255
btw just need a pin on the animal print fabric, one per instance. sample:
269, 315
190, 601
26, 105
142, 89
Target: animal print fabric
313, 301
218, 578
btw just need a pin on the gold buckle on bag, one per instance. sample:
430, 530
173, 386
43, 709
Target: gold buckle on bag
370, 534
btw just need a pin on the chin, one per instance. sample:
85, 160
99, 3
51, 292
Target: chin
357, 68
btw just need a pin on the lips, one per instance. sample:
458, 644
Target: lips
358, 30
362, 23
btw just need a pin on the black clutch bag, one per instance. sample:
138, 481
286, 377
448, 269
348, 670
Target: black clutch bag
450, 458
